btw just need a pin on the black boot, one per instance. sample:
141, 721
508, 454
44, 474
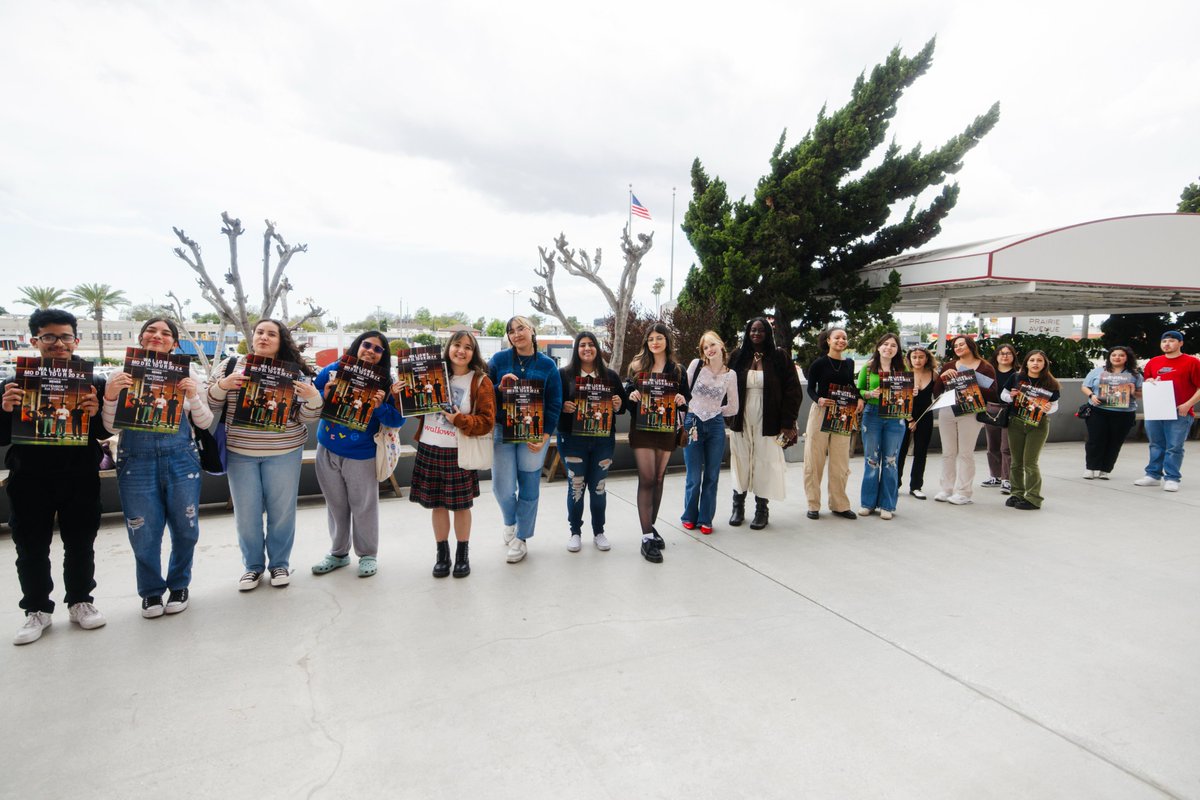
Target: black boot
462, 567
441, 567
760, 514
739, 509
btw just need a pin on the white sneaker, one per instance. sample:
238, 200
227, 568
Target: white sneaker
86, 616
574, 544
31, 631
517, 551
510, 533
865, 512
959, 500
941, 497
601, 542
1090, 474
1005, 487
1146, 480
1171, 486
1103, 476
249, 581
885, 515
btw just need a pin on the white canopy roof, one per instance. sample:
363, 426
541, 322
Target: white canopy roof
1134, 264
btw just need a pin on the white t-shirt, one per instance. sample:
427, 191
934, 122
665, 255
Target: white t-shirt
436, 430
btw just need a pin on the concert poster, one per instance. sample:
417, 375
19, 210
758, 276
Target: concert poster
843, 417
51, 410
1116, 390
968, 397
523, 417
895, 395
268, 398
1030, 403
352, 389
593, 408
656, 406
154, 403
421, 374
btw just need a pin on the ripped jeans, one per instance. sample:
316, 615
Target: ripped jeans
587, 460
881, 448
158, 476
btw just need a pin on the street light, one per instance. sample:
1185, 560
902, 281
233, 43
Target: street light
514, 293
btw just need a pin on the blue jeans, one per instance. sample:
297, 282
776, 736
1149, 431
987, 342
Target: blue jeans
1166, 446
702, 457
516, 482
881, 450
268, 484
586, 459
159, 486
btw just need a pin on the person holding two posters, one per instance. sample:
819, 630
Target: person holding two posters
973, 382
883, 378
346, 451
769, 393
714, 400
45, 482
264, 464
1112, 390
831, 368
658, 386
1167, 436
1034, 398
592, 397
517, 468
158, 474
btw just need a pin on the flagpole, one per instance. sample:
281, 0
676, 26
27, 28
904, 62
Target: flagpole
672, 242
629, 206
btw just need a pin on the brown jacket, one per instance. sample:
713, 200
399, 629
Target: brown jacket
482, 418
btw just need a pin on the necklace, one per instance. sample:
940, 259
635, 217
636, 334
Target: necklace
523, 364
757, 359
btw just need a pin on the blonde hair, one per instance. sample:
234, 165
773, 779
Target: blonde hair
713, 337
528, 323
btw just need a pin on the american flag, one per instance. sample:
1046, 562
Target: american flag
638, 209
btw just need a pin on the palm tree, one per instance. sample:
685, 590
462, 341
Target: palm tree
95, 297
656, 290
40, 296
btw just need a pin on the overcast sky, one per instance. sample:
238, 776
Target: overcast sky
423, 151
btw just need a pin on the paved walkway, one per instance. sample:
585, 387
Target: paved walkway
953, 652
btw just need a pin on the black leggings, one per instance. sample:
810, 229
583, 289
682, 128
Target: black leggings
651, 468
1106, 432
920, 441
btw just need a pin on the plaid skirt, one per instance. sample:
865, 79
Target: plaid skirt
438, 481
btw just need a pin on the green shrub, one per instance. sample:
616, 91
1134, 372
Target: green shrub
1068, 358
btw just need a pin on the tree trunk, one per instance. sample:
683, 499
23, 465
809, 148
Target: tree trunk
100, 331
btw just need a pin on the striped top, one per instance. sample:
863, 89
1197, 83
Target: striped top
254, 442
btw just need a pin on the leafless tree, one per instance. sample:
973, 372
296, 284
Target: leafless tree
581, 265
274, 285
177, 311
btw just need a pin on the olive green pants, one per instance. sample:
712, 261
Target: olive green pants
1026, 442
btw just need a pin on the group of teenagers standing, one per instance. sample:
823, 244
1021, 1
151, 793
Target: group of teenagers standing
755, 393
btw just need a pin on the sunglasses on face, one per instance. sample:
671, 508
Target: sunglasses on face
374, 348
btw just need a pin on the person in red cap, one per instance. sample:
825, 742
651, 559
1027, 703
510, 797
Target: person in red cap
1167, 436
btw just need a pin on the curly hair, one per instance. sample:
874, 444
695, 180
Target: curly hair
288, 349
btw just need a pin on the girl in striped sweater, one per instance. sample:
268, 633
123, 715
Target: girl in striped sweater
264, 465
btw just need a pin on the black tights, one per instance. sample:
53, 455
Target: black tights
651, 467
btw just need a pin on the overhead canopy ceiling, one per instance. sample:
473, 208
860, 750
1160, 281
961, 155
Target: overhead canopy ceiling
1143, 263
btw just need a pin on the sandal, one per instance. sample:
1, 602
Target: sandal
366, 566
330, 562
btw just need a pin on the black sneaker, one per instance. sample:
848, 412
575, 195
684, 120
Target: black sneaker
1011, 502
280, 576
177, 601
152, 606
651, 550
1025, 505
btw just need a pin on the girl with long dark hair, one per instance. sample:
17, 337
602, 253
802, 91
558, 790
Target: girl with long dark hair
881, 436
831, 368
587, 457
652, 449
1026, 437
919, 429
714, 400
438, 482
1110, 422
769, 395
999, 456
346, 464
158, 476
264, 465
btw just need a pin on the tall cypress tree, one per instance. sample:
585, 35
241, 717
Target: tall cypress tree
815, 220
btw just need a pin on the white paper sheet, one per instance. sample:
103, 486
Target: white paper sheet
1158, 400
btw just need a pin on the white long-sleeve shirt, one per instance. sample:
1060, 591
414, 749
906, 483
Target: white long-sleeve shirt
708, 391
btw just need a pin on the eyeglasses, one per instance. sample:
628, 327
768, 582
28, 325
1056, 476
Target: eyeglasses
50, 338
374, 348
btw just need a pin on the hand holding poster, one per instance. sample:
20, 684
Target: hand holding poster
1116, 390
154, 402
421, 376
895, 395
522, 412
968, 398
656, 404
1030, 403
268, 396
354, 387
51, 410
593, 408
842, 417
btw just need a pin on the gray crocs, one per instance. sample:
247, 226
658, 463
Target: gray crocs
367, 566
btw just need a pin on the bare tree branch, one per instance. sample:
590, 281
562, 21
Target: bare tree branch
232, 230
546, 302
180, 317
208, 287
